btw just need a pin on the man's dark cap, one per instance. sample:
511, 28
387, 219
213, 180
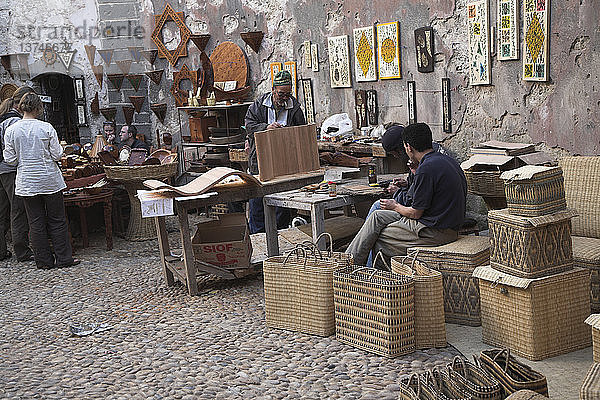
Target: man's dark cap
392, 138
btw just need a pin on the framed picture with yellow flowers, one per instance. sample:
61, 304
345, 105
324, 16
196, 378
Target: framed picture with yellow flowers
388, 47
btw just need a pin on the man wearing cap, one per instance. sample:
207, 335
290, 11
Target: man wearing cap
434, 206
272, 110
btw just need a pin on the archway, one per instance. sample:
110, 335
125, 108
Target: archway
59, 104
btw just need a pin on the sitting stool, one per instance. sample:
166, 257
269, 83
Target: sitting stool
456, 261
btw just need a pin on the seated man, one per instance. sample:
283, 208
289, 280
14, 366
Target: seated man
436, 204
110, 128
128, 137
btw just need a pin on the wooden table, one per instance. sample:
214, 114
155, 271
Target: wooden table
183, 268
316, 204
83, 201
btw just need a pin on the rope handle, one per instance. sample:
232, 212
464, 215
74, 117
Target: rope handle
367, 268
312, 247
328, 235
495, 283
476, 360
295, 251
380, 256
430, 378
504, 350
463, 364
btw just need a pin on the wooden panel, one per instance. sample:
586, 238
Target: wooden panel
286, 151
229, 64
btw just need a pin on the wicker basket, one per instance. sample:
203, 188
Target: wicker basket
536, 318
374, 310
445, 387
582, 191
119, 173
474, 381
534, 190
530, 247
513, 375
299, 292
456, 261
485, 183
590, 389
586, 254
414, 387
594, 321
430, 327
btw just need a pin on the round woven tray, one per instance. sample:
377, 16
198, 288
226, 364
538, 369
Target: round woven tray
139, 173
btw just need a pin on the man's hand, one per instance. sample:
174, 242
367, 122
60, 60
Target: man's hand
275, 125
388, 204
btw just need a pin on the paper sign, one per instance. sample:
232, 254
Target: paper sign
154, 203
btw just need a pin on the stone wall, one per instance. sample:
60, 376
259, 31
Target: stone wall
560, 115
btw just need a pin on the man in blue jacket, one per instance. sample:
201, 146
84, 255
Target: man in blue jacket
271, 111
433, 211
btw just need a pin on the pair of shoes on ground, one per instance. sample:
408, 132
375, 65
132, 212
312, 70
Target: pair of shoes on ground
26, 259
7, 255
72, 263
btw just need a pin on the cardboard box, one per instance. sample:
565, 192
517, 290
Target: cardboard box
224, 242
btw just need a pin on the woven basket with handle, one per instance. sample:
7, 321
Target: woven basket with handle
430, 325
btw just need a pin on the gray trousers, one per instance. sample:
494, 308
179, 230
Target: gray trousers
392, 234
12, 205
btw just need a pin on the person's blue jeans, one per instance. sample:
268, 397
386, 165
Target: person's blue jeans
256, 219
375, 206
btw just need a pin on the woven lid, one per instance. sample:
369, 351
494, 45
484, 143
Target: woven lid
487, 273
505, 215
529, 172
464, 245
593, 320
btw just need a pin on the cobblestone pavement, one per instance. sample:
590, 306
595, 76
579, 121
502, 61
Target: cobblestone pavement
166, 344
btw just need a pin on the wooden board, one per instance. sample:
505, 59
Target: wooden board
229, 64
206, 181
285, 151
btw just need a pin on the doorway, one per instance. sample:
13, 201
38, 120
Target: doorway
59, 104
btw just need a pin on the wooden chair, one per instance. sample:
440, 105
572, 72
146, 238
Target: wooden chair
582, 192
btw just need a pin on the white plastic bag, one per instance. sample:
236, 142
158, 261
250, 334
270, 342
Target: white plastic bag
341, 121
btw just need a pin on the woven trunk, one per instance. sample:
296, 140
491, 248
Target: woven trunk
590, 389
537, 318
586, 254
542, 194
530, 247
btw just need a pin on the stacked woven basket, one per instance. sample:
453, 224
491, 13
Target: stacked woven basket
533, 300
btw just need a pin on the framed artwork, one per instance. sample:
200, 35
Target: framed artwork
372, 108
79, 93
275, 68
412, 102
365, 68
291, 67
339, 61
306, 55
309, 105
479, 43
81, 117
424, 46
360, 106
446, 106
314, 54
508, 30
535, 28
388, 46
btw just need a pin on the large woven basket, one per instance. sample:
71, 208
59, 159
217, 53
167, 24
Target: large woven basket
582, 191
586, 254
414, 387
594, 321
119, 173
430, 327
474, 381
590, 389
530, 247
512, 374
299, 292
456, 261
485, 183
374, 310
534, 190
535, 318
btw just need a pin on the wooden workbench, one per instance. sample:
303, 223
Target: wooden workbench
183, 268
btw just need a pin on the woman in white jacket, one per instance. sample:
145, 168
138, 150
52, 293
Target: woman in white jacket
32, 145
